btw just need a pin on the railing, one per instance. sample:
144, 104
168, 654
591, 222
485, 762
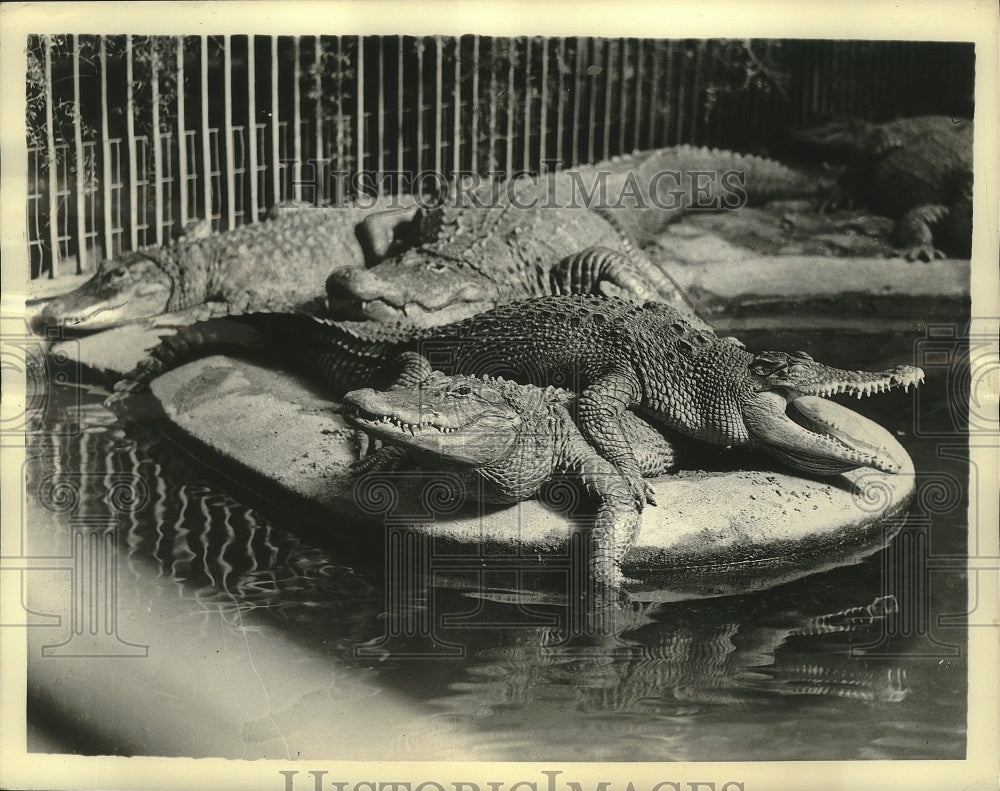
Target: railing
242, 123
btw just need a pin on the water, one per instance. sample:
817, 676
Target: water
845, 664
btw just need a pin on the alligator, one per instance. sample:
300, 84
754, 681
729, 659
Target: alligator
505, 441
612, 353
490, 244
917, 171
279, 264
487, 246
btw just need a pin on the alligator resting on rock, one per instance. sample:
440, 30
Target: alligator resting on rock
916, 170
279, 264
568, 232
494, 244
505, 441
614, 354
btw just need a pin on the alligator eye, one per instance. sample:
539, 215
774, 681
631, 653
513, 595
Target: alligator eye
119, 273
765, 366
461, 390
437, 267
804, 356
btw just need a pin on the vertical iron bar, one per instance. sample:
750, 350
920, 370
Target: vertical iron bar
609, 68
182, 159
560, 99
132, 164
456, 125
399, 109
655, 106
623, 94
227, 93
509, 157
492, 163
154, 81
50, 145
637, 93
206, 144
696, 99
438, 88
106, 153
526, 153
681, 95
420, 104
381, 106
359, 164
592, 96
275, 164
577, 98
80, 197
544, 102
297, 121
474, 109
319, 182
252, 126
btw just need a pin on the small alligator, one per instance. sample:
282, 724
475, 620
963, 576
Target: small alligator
486, 247
612, 353
496, 243
506, 441
279, 264
916, 170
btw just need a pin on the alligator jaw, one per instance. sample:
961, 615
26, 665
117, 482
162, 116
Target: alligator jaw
115, 295
410, 297
860, 383
474, 438
410, 313
822, 437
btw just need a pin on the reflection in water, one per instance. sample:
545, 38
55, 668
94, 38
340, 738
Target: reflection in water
768, 675
683, 660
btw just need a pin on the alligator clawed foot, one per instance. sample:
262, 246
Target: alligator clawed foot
920, 252
385, 459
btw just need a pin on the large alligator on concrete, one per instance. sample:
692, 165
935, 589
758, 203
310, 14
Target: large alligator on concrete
614, 354
917, 171
279, 264
567, 232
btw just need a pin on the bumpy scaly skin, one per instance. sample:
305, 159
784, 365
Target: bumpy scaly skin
916, 170
613, 354
506, 441
488, 246
275, 265
493, 245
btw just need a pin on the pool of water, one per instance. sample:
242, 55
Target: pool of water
866, 661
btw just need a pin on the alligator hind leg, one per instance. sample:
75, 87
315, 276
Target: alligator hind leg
406, 369
600, 270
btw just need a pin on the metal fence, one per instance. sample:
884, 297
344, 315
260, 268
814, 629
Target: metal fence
131, 138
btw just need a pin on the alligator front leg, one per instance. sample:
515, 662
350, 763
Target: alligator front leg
616, 521
600, 408
913, 235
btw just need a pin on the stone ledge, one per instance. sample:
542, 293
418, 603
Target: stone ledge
710, 534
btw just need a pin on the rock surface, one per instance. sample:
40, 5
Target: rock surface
712, 533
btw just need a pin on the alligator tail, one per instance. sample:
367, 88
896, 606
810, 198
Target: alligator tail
254, 335
338, 356
755, 180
